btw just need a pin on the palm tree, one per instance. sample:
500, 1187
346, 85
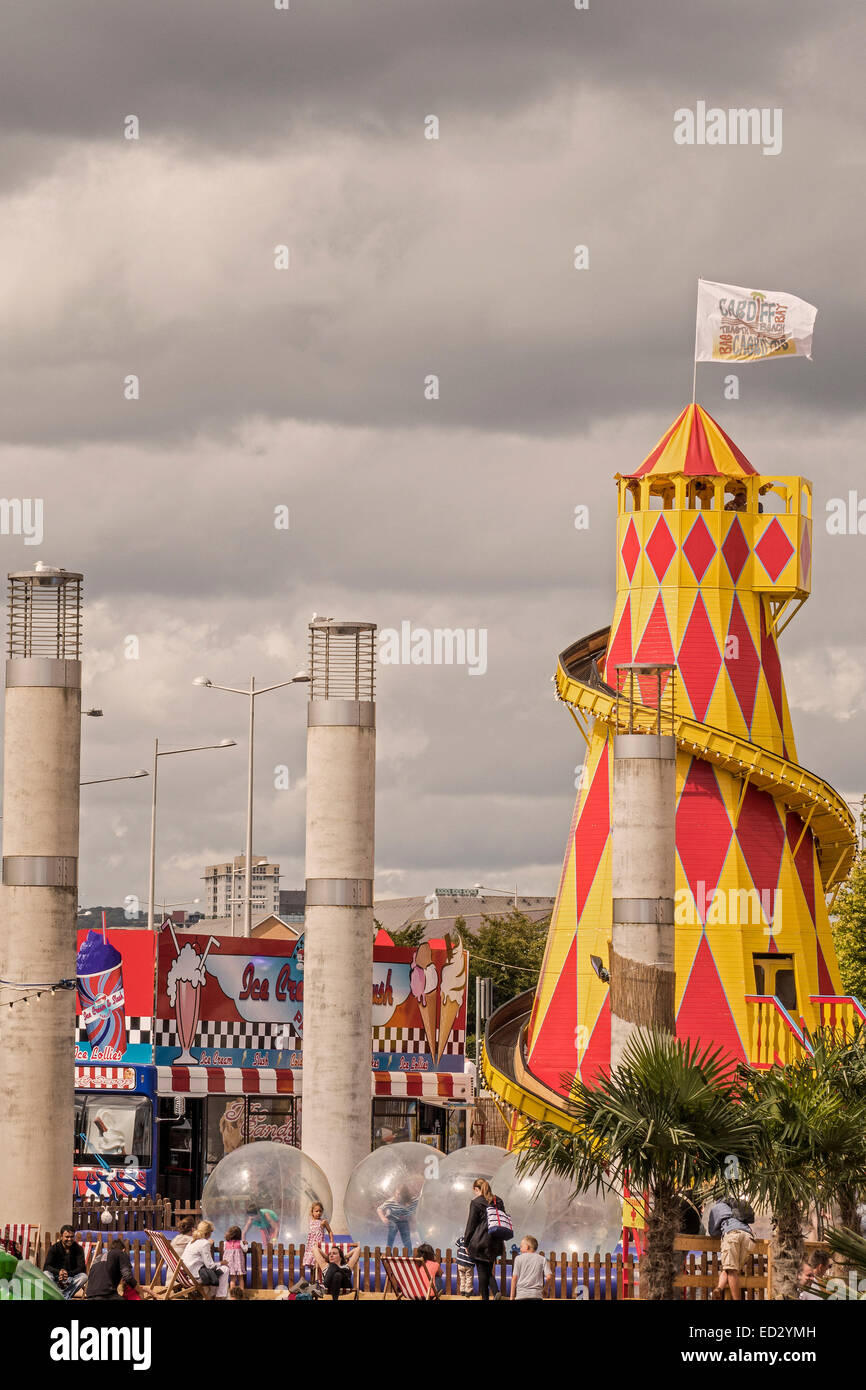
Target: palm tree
842, 1062
665, 1121
809, 1141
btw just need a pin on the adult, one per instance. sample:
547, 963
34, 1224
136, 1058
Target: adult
814, 1273
484, 1248
184, 1235
198, 1257
65, 1263
109, 1274
730, 1221
338, 1269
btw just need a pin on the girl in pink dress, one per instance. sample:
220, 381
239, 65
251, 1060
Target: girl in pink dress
318, 1225
235, 1257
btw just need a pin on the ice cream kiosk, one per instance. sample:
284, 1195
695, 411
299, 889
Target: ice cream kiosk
190, 1044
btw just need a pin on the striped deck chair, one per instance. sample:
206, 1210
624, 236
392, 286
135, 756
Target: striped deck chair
411, 1278
90, 1249
179, 1282
23, 1238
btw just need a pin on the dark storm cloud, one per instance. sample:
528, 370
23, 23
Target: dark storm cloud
232, 72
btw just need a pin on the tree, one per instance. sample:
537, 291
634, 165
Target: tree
808, 1141
842, 1062
849, 931
666, 1121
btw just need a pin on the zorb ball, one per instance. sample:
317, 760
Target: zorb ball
267, 1189
588, 1223
444, 1206
381, 1202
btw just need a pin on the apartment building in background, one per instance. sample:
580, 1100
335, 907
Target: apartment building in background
225, 888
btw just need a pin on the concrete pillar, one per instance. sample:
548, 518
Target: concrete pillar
38, 897
338, 940
642, 979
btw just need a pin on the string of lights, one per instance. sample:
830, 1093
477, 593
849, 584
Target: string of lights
37, 990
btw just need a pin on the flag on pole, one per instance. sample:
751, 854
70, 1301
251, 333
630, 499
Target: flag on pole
740, 325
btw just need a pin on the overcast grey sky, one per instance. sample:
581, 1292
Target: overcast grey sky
305, 387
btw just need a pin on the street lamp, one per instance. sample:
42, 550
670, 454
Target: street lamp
300, 679
128, 777
168, 753
506, 892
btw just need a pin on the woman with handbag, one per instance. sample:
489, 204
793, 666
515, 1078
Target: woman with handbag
485, 1244
199, 1260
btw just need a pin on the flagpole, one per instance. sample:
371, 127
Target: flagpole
695, 372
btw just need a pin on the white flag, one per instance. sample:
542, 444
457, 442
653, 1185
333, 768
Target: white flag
739, 325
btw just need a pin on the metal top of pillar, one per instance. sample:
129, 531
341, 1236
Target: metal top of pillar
342, 660
45, 613
645, 707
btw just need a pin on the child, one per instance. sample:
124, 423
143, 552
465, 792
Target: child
531, 1275
318, 1225
234, 1254
465, 1268
428, 1255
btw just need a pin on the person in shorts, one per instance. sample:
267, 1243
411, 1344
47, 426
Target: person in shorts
730, 1221
530, 1274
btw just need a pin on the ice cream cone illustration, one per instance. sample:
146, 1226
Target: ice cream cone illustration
452, 993
424, 984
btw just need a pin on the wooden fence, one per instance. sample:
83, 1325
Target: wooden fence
587, 1277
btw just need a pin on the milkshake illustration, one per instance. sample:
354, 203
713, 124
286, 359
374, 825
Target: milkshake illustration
424, 982
453, 992
99, 979
186, 978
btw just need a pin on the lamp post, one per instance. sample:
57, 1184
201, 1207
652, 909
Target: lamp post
506, 892
300, 679
157, 754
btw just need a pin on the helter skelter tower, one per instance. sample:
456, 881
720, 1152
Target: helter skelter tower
713, 561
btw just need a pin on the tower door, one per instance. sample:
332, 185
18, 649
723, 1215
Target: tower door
774, 975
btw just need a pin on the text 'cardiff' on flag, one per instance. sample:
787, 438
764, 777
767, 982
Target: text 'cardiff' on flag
740, 325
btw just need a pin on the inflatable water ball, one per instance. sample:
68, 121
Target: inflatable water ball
267, 1189
588, 1223
382, 1196
447, 1192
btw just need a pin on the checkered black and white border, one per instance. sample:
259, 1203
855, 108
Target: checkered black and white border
238, 1034
139, 1031
414, 1040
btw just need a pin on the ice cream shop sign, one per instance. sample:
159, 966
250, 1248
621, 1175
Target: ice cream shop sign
220, 1003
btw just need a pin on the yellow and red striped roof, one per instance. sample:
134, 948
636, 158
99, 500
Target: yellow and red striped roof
695, 445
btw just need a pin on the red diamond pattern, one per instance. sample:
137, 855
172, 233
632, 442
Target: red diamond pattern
805, 555
699, 659
655, 645
619, 651
591, 833
703, 832
735, 550
774, 550
772, 669
804, 861
761, 837
741, 662
705, 1014
553, 1050
699, 548
630, 550
660, 548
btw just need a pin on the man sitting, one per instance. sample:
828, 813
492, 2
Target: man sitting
65, 1263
